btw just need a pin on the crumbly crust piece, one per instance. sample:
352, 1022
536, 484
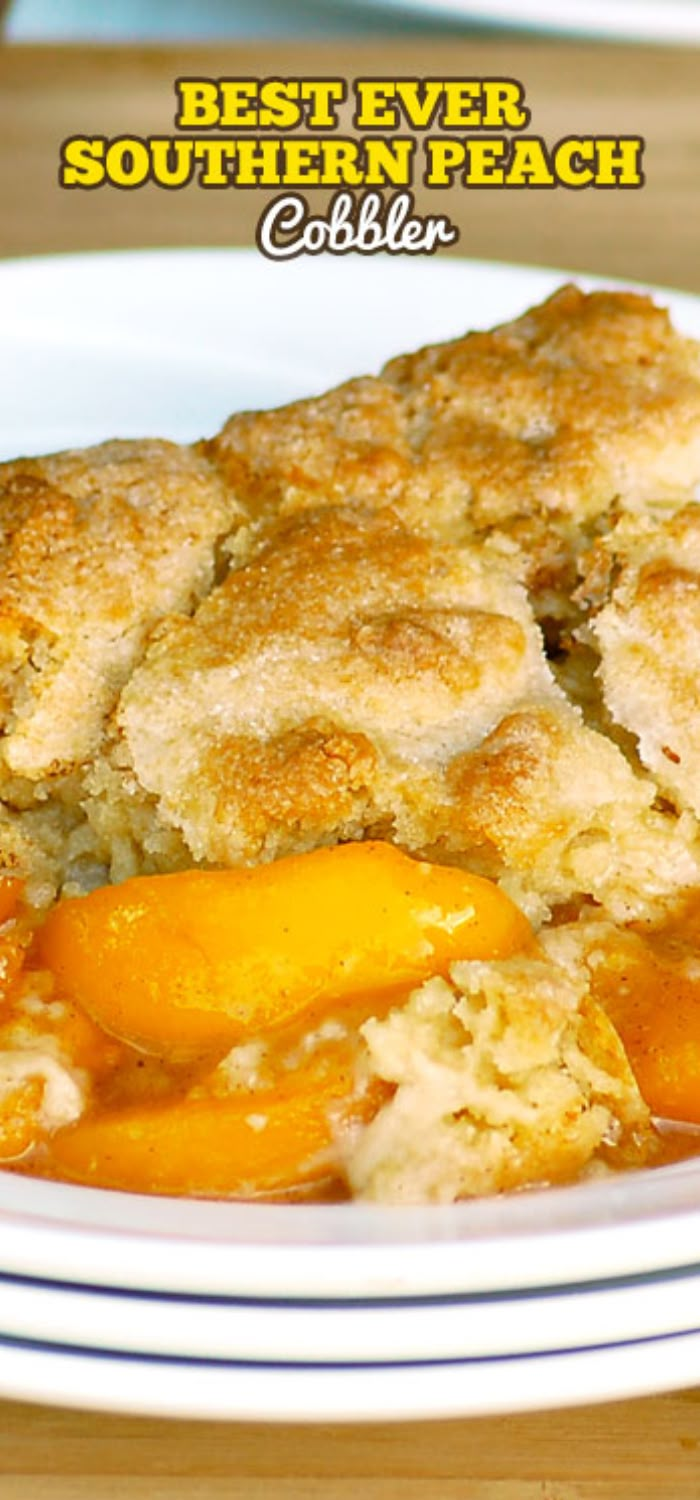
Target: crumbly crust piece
321, 690
582, 400
95, 546
507, 1075
530, 431
555, 802
648, 636
353, 678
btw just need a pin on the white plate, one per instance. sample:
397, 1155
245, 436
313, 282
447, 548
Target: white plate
638, 20
636, 1225
340, 1332
169, 343
243, 1391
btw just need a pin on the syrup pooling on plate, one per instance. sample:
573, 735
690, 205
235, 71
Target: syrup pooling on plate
385, 619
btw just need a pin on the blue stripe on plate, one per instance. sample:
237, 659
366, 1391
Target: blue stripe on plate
123, 1356
438, 1299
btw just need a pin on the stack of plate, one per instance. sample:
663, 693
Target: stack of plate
325, 1312
349, 1312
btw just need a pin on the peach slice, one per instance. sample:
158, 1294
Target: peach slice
13, 943
655, 1008
202, 959
268, 1141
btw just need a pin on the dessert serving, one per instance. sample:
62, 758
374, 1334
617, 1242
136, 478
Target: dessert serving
350, 780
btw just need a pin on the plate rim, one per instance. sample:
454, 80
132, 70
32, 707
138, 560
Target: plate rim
468, 1248
272, 1393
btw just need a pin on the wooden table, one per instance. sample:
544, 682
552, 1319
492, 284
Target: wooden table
49, 94
640, 1450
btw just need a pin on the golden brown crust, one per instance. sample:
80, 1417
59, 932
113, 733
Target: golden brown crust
314, 628
648, 636
96, 546
370, 663
320, 691
347, 446
532, 430
557, 803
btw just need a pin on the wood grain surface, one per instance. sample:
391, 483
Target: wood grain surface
641, 1450
635, 1450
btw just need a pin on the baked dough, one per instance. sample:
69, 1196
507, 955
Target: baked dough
441, 607
95, 546
646, 573
322, 624
529, 434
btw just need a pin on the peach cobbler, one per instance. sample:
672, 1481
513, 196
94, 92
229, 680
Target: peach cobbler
350, 781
